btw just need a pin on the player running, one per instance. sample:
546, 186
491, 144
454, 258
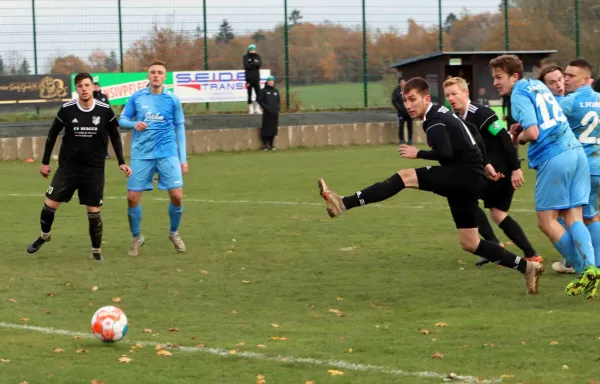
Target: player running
582, 108
498, 195
460, 178
563, 178
158, 145
88, 123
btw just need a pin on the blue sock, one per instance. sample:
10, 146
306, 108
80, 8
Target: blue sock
583, 243
566, 247
594, 229
135, 219
175, 214
561, 221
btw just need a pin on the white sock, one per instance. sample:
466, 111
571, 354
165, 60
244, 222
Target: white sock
96, 250
45, 236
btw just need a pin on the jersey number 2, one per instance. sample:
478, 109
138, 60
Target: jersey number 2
592, 119
542, 100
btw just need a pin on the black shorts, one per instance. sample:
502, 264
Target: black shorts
462, 186
499, 194
89, 186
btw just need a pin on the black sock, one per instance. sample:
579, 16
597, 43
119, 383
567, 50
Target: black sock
95, 229
485, 229
495, 253
513, 230
47, 218
376, 192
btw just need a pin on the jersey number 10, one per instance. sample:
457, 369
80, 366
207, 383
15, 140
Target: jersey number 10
592, 119
545, 100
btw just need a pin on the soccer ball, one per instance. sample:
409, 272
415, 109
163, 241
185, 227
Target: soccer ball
109, 324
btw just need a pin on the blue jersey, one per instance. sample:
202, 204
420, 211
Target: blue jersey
582, 109
559, 98
532, 103
165, 135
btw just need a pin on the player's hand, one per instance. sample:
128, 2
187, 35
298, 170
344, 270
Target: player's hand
184, 168
491, 173
408, 151
45, 170
517, 178
516, 128
504, 117
126, 170
140, 126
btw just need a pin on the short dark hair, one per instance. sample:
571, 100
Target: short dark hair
418, 84
510, 64
581, 63
157, 62
400, 79
97, 83
82, 76
546, 69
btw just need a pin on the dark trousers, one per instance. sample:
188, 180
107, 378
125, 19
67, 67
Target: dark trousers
253, 85
409, 127
268, 141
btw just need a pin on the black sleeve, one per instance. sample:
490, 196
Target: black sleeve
278, 101
439, 141
115, 137
261, 99
57, 126
508, 148
397, 101
245, 60
479, 140
259, 64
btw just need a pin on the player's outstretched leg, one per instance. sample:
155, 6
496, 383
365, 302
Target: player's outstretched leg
95, 227
336, 204
486, 231
134, 214
515, 233
175, 215
46, 220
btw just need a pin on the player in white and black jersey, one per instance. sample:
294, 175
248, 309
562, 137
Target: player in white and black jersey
498, 195
460, 178
88, 124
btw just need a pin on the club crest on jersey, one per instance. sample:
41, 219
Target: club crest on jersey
96, 120
154, 117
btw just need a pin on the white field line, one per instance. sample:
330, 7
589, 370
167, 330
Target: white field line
420, 205
340, 364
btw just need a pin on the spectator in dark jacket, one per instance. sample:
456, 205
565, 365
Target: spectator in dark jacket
270, 102
403, 115
98, 95
252, 64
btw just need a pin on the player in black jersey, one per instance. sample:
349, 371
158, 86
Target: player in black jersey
88, 124
498, 195
460, 178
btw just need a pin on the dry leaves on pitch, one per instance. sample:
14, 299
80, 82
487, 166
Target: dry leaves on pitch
81, 351
202, 271
11, 300
95, 288
158, 347
337, 312
50, 294
147, 330
437, 355
47, 312
441, 324
125, 359
310, 382
507, 376
245, 281
553, 342
173, 329
164, 352
260, 379
565, 367
275, 325
424, 332
592, 381
96, 381
489, 345
334, 372
117, 299
279, 338
24, 319
58, 350
261, 346
4, 361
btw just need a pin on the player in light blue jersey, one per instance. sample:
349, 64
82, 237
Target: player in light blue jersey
582, 108
157, 146
563, 178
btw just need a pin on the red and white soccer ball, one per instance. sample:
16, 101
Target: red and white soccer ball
109, 324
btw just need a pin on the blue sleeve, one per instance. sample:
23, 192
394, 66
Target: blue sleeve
180, 130
128, 113
523, 110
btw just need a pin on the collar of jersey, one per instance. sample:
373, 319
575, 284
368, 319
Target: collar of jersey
427, 111
584, 89
147, 90
83, 109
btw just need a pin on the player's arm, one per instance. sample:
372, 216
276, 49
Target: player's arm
57, 126
126, 120
260, 99
115, 137
180, 131
439, 141
523, 112
397, 100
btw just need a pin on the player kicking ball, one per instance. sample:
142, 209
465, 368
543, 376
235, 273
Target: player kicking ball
562, 175
88, 123
157, 146
460, 178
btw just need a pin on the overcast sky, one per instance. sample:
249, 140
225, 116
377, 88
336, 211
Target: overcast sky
78, 26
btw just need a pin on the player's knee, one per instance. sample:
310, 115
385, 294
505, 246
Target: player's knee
133, 199
469, 241
51, 203
498, 216
176, 196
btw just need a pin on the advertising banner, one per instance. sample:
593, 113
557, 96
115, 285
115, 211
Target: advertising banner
213, 86
35, 90
118, 87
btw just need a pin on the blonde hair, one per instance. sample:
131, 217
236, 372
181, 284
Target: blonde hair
462, 83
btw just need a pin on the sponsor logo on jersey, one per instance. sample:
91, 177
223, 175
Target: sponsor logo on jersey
153, 117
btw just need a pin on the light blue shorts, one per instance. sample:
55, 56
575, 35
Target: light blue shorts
167, 168
563, 182
591, 209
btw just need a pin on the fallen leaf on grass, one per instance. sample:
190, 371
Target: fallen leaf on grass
94, 288
173, 329
138, 345
260, 379
441, 324
275, 325
50, 294
337, 312
158, 347
437, 355
147, 330
346, 249
67, 284
4, 361
117, 299
202, 271
23, 382
592, 381
506, 376
349, 350
46, 311
246, 281
524, 342
200, 345
310, 382
58, 350
489, 345
565, 367
424, 332
77, 337
279, 338
233, 311
460, 262
124, 359
164, 352
261, 346
553, 342
81, 351
240, 344
11, 300
96, 381
24, 319
233, 352
333, 372
434, 339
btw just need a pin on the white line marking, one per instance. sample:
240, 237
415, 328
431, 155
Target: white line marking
419, 205
341, 364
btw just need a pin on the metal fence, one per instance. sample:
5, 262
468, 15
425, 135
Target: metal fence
325, 54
